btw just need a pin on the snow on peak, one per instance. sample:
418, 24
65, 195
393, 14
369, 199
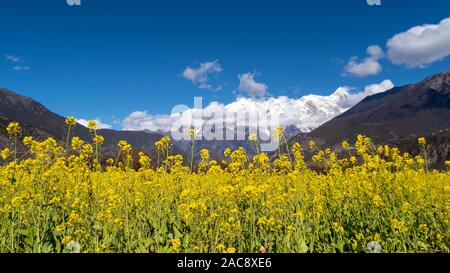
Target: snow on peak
305, 113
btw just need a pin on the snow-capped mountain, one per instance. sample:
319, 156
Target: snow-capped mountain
219, 126
305, 114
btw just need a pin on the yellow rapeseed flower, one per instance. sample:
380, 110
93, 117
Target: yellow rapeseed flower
124, 146
377, 201
204, 154
92, 125
99, 140
252, 138
423, 228
71, 121
422, 141
77, 143
220, 247
191, 132
66, 240
345, 145
406, 207
175, 244
5, 153
278, 132
14, 128
231, 250
227, 152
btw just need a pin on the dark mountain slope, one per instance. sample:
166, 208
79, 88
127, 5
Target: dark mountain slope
39, 122
400, 113
396, 117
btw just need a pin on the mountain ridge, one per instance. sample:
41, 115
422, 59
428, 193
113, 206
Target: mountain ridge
40, 123
399, 115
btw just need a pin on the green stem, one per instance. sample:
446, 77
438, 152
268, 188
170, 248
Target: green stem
117, 158
279, 151
68, 136
287, 148
157, 164
192, 153
15, 147
257, 147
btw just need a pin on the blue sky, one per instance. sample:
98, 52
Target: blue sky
108, 58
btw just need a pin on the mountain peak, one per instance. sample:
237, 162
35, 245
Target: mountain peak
13, 104
7, 92
340, 94
421, 109
440, 81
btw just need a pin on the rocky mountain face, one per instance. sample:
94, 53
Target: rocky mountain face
40, 123
398, 116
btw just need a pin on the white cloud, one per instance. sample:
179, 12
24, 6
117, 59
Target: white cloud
248, 85
369, 66
351, 99
21, 68
378, 88
306, 113
375, 52
12, 58
16, 60
366, 68
100, 124
141, 120
200, 75
420, 45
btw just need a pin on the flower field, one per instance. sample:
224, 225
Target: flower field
60, 199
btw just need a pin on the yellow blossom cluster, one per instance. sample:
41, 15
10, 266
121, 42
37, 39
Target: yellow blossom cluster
59, 199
